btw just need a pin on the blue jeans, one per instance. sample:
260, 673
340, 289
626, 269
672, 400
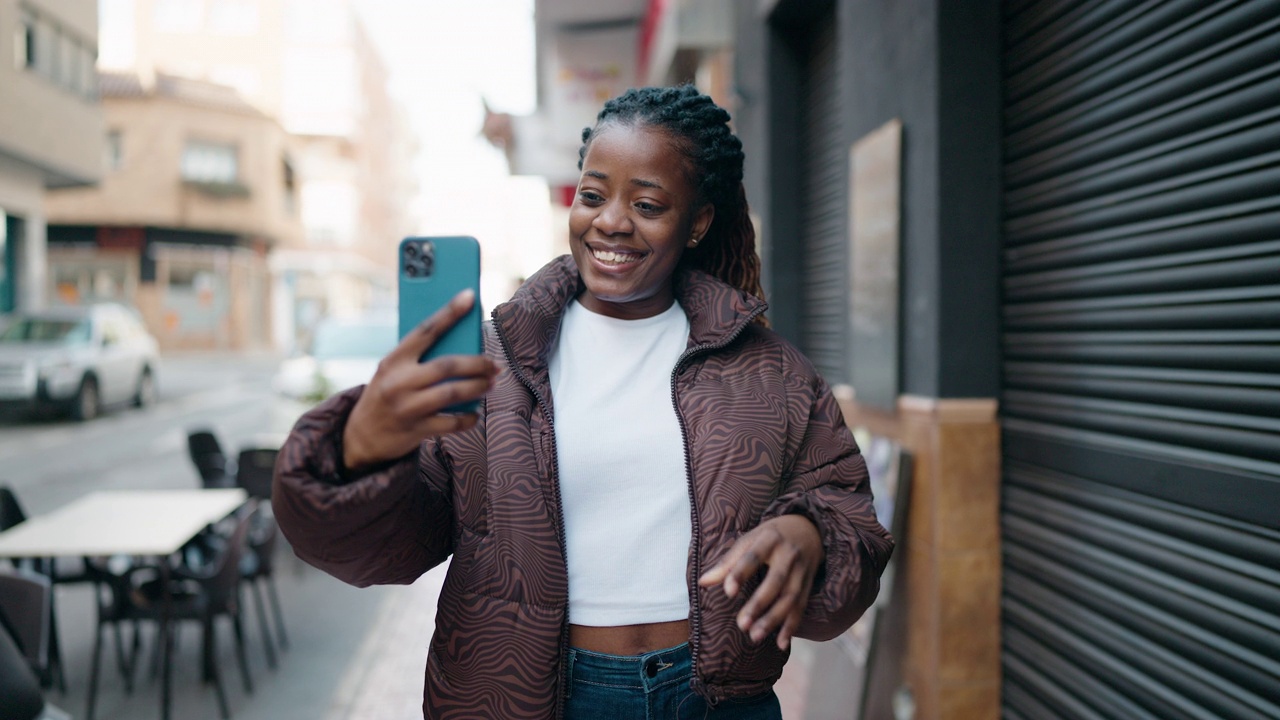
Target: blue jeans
652, 686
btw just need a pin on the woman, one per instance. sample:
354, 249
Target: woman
658, 492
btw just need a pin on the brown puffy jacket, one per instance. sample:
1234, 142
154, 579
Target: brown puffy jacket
763, 437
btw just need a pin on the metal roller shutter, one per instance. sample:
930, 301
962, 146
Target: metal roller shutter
824, 204
1141, 404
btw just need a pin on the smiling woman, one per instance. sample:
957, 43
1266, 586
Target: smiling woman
635, 214
695, 500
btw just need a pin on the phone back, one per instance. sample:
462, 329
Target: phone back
432, 271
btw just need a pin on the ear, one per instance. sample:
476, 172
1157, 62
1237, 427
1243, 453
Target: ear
701, 224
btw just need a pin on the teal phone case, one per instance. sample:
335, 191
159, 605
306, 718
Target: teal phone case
432, 271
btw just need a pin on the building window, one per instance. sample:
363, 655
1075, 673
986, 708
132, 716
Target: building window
51, 50
114, 150
88, 74
56, 54
68, 67
24, 46
204, 162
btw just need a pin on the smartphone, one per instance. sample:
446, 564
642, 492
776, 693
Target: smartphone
432, 271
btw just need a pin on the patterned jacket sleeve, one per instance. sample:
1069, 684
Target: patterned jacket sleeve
830, 486
388, 526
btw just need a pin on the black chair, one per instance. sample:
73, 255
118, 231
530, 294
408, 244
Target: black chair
255, 468
11, 512
258, 570
20, 697
210, 461
50, 671
25, 612
195, 595
26, 600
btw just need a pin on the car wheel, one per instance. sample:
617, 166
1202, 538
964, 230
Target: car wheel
87, 402
146, 393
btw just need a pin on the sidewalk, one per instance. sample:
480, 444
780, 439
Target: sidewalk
384, 679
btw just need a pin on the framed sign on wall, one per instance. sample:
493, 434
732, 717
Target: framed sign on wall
875, 209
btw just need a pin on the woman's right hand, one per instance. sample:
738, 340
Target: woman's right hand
402, 404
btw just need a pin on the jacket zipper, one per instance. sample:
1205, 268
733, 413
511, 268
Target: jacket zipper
695, 631
555, 486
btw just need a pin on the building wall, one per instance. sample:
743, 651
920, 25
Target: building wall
51, 122
148, 189
51, 125
190, 256
21, 191
309, 64
934, 66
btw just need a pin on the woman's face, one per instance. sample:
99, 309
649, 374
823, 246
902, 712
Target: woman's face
635, 213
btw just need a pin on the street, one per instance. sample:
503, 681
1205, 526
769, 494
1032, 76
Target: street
339, 636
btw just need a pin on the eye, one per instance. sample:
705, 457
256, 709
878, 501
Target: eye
648, 208
590, 197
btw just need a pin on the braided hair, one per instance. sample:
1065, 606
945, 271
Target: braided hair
701, 130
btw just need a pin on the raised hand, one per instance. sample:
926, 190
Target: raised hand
402, 404
791, 548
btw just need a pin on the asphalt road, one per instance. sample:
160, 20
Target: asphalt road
50, 462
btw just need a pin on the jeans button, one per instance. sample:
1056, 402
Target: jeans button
651, 667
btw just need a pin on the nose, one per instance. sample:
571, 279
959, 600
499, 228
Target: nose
612, 219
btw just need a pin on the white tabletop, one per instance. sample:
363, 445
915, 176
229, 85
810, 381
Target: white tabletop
121, 522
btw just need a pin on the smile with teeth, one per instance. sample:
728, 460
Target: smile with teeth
609, 257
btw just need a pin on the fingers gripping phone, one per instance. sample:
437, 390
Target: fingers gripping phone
432, 271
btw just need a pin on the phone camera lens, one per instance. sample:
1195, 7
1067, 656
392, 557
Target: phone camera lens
411, 250
411, 270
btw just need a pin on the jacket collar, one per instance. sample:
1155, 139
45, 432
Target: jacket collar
530, 321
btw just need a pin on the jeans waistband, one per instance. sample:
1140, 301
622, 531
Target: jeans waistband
642, 671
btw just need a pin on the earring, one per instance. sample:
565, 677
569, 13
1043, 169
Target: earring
693, 242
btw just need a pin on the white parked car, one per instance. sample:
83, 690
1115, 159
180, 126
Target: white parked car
77, 359
343, 353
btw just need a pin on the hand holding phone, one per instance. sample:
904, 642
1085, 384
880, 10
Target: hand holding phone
431, 382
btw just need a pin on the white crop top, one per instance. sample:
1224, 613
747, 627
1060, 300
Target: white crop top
621, 458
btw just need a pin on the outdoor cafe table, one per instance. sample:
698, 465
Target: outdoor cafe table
152, 523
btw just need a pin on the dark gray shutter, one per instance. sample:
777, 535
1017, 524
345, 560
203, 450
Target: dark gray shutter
1141, 404
823, 206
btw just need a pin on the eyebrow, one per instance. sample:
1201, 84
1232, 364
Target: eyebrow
634, 181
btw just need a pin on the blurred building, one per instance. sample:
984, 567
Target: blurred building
199, 187
51, 129
310, 65
1035, 244
588, 52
